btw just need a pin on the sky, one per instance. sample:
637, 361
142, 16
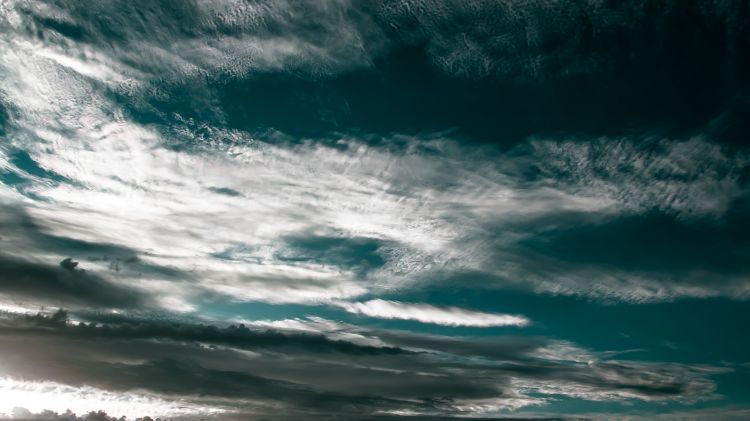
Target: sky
374, 210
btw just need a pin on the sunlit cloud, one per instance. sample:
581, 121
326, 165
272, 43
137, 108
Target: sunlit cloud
38, 396
425, 313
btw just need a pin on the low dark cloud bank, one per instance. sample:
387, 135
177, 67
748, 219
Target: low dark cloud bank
415, 372
64, 283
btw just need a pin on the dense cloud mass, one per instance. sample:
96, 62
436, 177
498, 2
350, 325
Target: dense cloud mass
386, 372
420, 209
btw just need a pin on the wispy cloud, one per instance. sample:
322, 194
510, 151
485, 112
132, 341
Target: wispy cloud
283, 374
426, 313
195, 158
419, 209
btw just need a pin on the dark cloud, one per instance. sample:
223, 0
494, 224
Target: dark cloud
24, 415
238, 336
18, 225
29, 235
192, 372
69, 264
64, 284
630, 81
34, 280
434, 378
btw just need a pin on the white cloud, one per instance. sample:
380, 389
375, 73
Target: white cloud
425, 313
38, 396
445, 212
331, 329
693, 177
230, 38
453, 210
497, 406
130, 191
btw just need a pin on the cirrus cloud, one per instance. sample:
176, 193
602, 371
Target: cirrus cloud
426, 313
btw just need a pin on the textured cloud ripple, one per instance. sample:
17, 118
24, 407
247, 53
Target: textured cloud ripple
374, 210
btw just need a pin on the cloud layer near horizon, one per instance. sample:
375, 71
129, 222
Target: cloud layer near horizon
235, 368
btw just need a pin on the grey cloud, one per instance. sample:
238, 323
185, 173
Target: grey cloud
54, 284
238, 336
197, 374
434, 378
497, 348
643, 199
19, 226
519, 357
233, 34
664, 222
29, 235
85, 273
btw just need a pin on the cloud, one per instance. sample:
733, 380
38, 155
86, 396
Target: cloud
647, 256
374, 149
40, 269
40, 397
425, 313
229, 37
51, 284
236, 368
692, 177
316, 219
409, 67
238, 336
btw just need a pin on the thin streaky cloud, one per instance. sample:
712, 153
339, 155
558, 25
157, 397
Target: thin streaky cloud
426, 313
